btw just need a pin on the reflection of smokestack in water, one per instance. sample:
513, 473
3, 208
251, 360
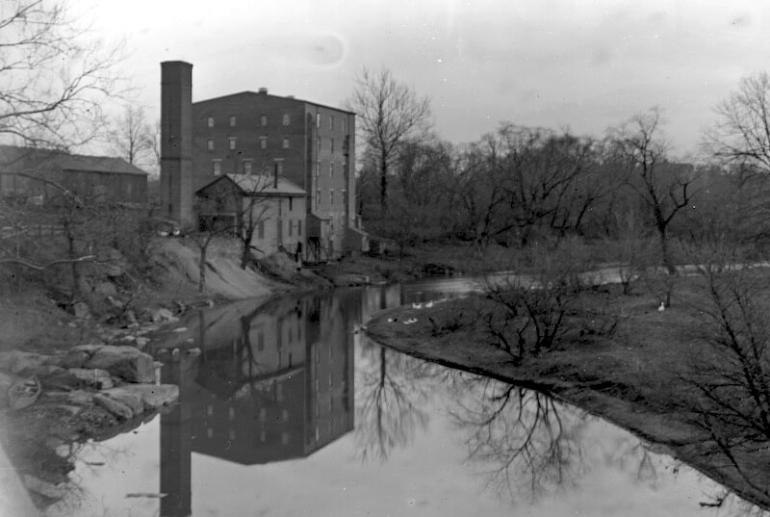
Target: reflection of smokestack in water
176, 445
176, 182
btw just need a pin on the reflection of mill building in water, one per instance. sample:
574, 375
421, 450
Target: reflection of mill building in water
280, 388
271, 383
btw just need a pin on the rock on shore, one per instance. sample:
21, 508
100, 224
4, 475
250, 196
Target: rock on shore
90, 392
119, 379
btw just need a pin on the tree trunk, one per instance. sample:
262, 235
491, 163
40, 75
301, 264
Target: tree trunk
383, 184
74, 267
202, 270
665, 252
667, 263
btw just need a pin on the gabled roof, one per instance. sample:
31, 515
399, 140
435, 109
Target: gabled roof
250, 93
259, 185
18, 159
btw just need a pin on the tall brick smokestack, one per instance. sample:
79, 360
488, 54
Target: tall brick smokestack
176, 182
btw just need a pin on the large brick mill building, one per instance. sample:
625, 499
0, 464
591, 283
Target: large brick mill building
309, 144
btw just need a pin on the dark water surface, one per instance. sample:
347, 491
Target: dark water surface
288, 411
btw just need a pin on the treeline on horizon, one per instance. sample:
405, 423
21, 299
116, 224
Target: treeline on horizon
519, 186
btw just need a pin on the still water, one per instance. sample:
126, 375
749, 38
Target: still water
288, 410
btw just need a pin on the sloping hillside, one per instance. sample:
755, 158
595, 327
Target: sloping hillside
224, 276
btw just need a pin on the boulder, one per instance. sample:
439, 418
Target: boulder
61, 380
163, 314
115, 303
24, 363
77, 356
152, 396
128, 396
131, 318
42, 371
114, 406
73, 401
94, 377
80, 398
106, 289
81, 310
124, 362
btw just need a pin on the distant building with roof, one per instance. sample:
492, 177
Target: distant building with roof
100, 179
271, 207
310, 144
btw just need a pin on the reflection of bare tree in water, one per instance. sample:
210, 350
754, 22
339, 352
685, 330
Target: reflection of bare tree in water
528, 444
390, 395
632, 455
526, 441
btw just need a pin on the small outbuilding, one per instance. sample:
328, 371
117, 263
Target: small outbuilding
269, 207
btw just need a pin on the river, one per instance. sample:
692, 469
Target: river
287, 409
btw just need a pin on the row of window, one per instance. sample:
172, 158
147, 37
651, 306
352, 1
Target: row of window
331, 197
248, 166
343, 122
290, 331
291, 227
231, 435
285, 120
318, 169
232, 143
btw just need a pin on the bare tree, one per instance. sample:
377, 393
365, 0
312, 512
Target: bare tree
253, 213
389, 112
52, 83
735, 380
742, 133
665, 189
238, 205
133, 138
202, 240
533, 313
67, 214
519, 182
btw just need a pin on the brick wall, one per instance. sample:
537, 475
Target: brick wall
249, 111
317, 158
282, 223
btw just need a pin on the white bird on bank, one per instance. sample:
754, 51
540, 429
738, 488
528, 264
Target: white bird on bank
428, 305
662, 307
416, 305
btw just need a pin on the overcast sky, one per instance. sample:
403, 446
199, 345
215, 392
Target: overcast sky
583, 65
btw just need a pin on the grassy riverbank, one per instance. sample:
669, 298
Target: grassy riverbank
639, 377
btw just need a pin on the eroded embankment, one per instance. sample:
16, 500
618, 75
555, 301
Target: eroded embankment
608, 379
